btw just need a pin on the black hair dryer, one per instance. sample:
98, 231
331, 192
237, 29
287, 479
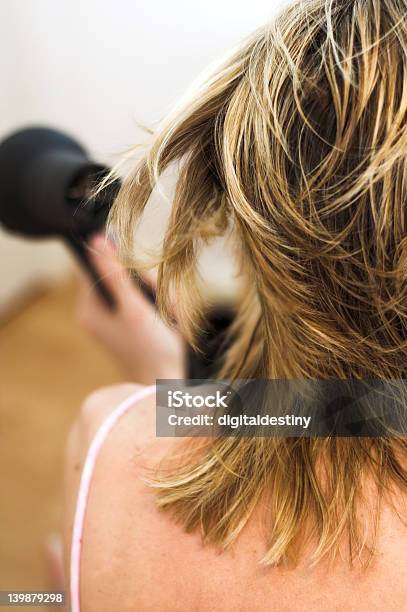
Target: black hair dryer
46, 186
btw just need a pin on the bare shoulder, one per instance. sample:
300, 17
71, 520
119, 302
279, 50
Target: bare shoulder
101, 402
135, 427
122, 519
127, 439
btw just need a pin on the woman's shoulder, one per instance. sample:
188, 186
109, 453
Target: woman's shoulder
135, 558
123, 528
138, 402
101, 403
119, 462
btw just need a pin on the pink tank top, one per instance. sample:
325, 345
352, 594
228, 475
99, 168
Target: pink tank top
84, 487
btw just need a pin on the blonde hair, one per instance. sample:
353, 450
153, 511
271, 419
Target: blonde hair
298, 146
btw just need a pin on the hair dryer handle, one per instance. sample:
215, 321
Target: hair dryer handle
79, 247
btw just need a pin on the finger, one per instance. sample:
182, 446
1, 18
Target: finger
149, 279
110, 271
147, 285
90, 310
116, 278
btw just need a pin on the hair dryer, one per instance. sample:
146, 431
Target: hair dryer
46, 186
46, 183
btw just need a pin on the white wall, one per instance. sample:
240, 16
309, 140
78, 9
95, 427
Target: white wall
94, 68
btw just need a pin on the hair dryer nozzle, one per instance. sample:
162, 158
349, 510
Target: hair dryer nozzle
46, 186
46, 179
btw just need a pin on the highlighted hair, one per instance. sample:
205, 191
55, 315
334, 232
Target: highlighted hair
298, 146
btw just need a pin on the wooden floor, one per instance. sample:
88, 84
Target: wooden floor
47, 366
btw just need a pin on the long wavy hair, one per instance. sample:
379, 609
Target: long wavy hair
297, 147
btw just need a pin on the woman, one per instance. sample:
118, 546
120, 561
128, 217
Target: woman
297, 147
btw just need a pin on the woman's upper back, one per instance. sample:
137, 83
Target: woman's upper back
135, 557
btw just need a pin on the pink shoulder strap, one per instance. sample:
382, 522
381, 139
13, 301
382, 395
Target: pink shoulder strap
84, 487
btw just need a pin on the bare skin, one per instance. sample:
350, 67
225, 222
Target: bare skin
136, 558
